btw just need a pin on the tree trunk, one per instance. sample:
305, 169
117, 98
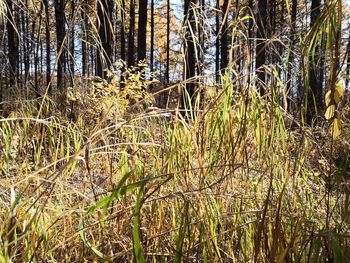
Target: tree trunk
61, 45
131, 34
152, 41
315, 87
85, 47
348, 61
105, 32
48, 45
71, 43
224, 37
36, 54
167, 44
261, 45
291, 56
190, 56
122, 42
142, 31
12, 41
217, 42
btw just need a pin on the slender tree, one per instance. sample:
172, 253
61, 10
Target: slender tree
314, 93
48, 44
72, 42
131, 37
217, 41
25, 44
167, 43
348, 60
292, 41
36, 52
61, 42
12, 40
224, 36
152, 41
122, 40
105, 32
261, 44
190, 55
84, 46
142, 31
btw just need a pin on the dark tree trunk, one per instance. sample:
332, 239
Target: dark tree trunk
26, 50
61, 49
84, 47
217, 42
201, 35
261, 44
12, 41
105, 32
291, 56
115, 38
224, 37
315, 86
190, 56
348, 61
131, 37
152, 40
167, 43
122, 32
122, 41
36, 54
71, 43
142, 31
48, 45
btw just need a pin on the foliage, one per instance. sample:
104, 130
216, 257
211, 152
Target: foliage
111, 98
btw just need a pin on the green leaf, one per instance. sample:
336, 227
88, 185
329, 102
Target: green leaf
105, 201
181, 235
136, 235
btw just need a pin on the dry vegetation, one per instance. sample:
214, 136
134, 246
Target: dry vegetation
241, 173
231, 182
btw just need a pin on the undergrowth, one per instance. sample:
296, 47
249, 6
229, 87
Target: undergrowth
237, 180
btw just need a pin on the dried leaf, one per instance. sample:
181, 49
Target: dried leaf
328, 98
335, 129
330, 112
338, 92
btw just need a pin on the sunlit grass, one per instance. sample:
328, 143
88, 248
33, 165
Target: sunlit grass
230, 183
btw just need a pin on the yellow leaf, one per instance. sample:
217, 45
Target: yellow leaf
328, 98
335, 129
339, 91
330, 112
